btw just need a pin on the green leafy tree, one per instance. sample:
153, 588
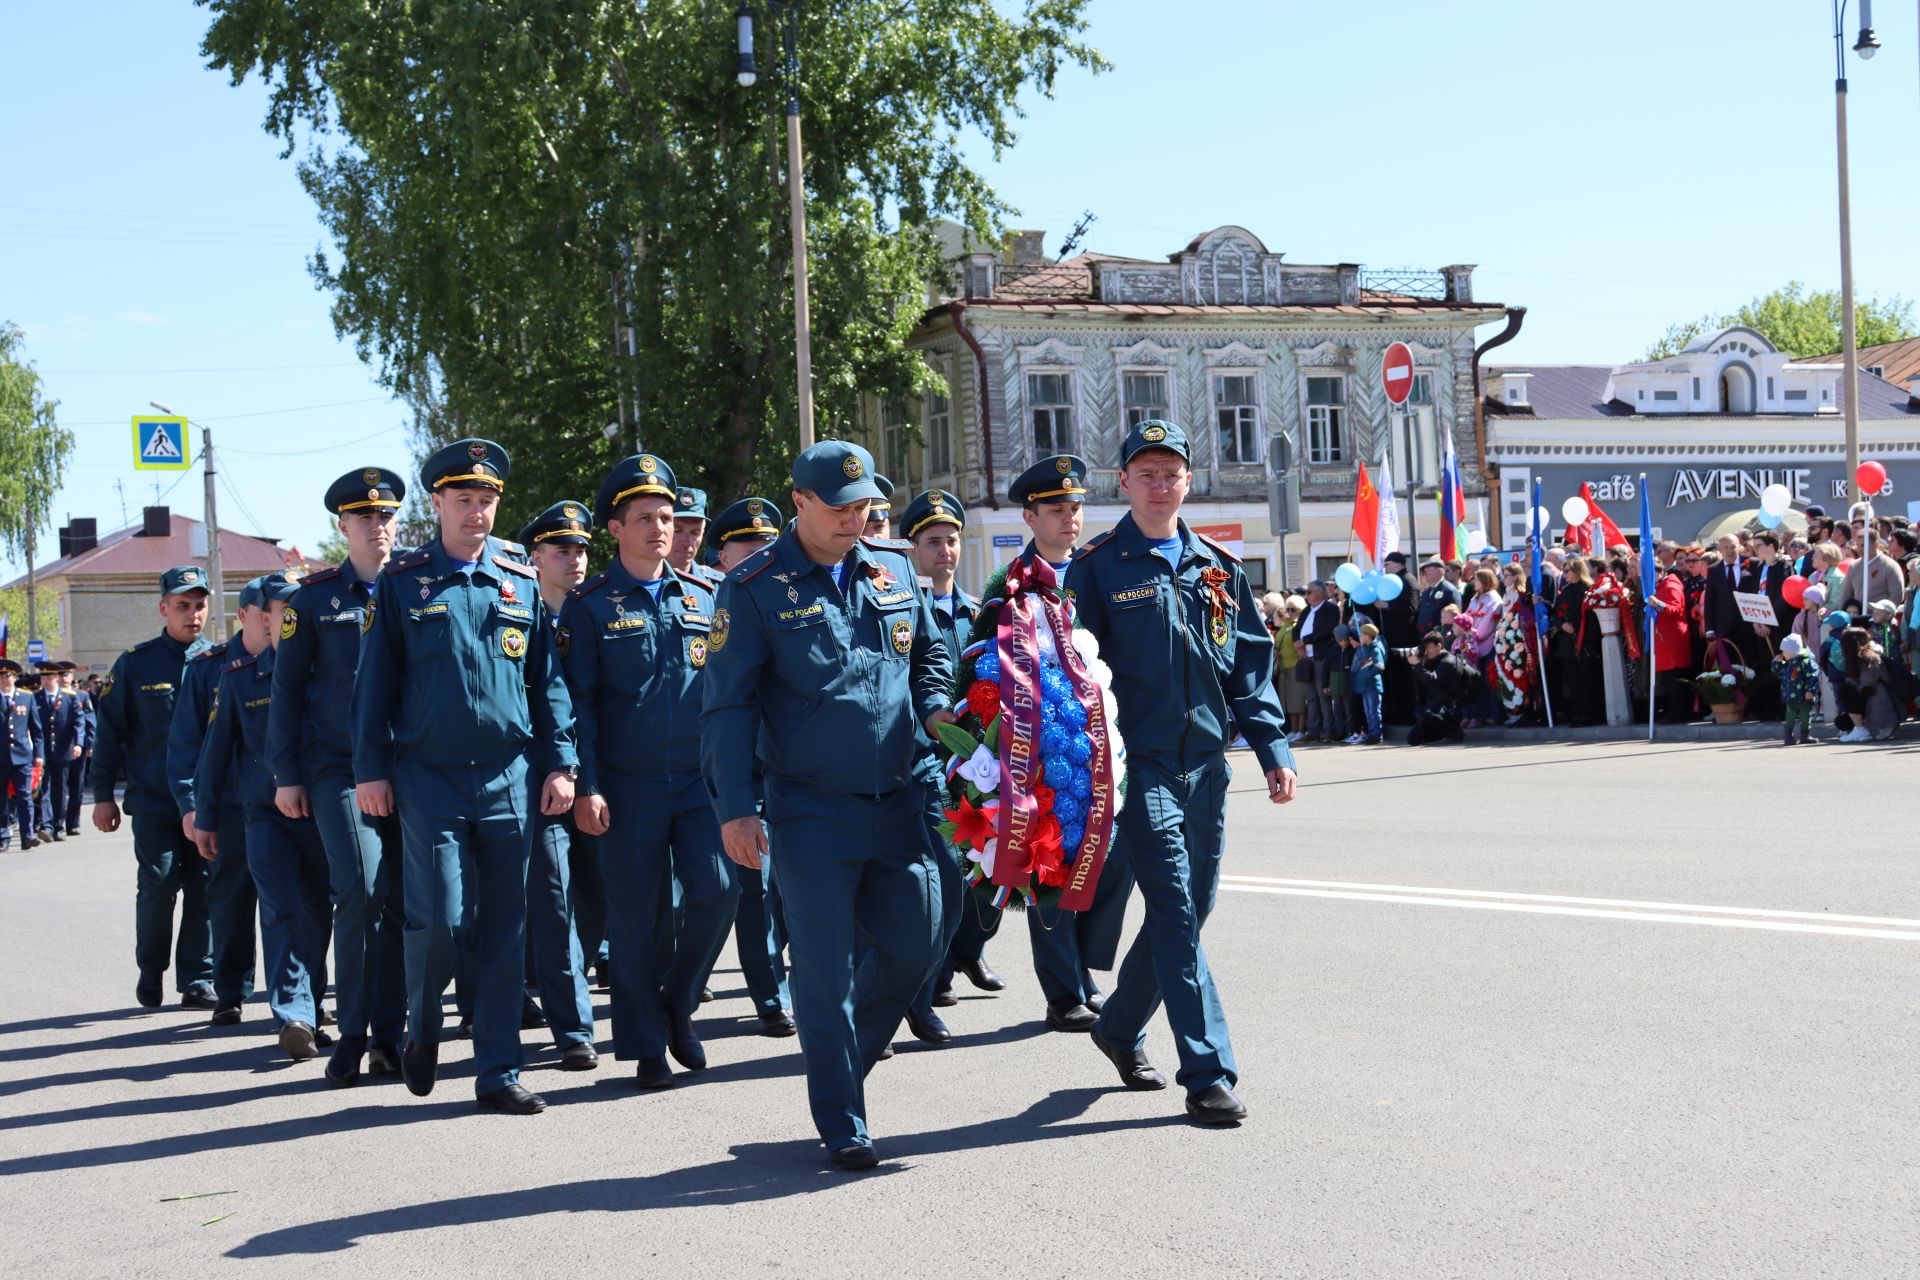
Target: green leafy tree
556, 215
46, 620
34, 449
1800, 323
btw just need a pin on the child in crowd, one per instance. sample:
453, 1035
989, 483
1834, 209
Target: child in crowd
1799, 688
1340, 686
1368, 668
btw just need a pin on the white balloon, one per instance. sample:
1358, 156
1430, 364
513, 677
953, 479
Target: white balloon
1775, 499
1544, 518
1476, 542
1575, 509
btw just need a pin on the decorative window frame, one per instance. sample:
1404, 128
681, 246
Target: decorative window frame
1048, 356
1237, 359
1149, 357
1325, 359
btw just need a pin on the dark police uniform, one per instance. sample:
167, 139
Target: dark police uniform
77, 768
963, 932
26, 743
1191, 659
880, 510
136, 714
310, 745
759, 928
231, 898
67, 755
58, 712
1067, 946
554, 959
285, 855
457, 691
636, 652
827, 673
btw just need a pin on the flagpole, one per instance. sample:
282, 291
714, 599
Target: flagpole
1646, 606
1536, 553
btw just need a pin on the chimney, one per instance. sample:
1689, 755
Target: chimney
979, 269
1913, 393
1459, 278
80, 535
1029, 249
155, 522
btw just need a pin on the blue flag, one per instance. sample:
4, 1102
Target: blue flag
1536, 558
1646, 561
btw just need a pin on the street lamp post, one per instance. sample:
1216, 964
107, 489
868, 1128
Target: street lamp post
217, 596
747, 73
1866, 45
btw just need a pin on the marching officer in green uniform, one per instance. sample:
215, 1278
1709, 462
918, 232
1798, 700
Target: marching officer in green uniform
26, 751
759, 928
690, 534
637, 641
136, 714
1069, 945
458, 693
285, 856
932, 524
58, 712
828, 665
558, 539
67, 753
232, 902
310, 755
1191, 660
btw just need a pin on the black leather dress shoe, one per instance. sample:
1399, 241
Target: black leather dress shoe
579, 1057
981, 975
419, 1064
530, 1015
1070, 1015
928, 1027
706, 995
1097, 1001
198, 995
1216, 1105
343, 1067
683, 1042
28, 842
227, 1015
860, 1155
462, 1030
600, 975
653, 1073
886, 1053
297, 1041
322, 1039
58, 835
73, 831
944, 998
777, 1023
1135, 1071
147, 991
514, 1100
383, 1060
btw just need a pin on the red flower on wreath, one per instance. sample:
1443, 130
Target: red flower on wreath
983, 699
1043, 800
1049, 858
973, 827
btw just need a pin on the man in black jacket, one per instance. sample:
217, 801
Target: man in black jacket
1313, 633
1440, 678
1722, 613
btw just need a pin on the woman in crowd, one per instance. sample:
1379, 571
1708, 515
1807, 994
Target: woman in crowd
1672, 648
1473, 641
1515, 666
1577, 644
1808, 624
1286, 654
1826, 566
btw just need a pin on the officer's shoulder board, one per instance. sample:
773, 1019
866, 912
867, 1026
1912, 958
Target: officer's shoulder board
752, 565
926, 583
327, 574
888, 544
1100, 541
412, 560
244, 661
211, 652
707, 574
697, 576
515, 567
588, 587
1218, 549
509, 546
148, 643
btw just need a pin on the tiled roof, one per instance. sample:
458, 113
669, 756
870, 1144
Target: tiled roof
1370, 305
1574, 391
1901, 360
121, 552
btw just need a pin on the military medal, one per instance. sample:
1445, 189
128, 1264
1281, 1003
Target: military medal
507, 592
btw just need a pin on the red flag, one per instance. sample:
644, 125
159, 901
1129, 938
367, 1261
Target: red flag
1366, 511
1609, 531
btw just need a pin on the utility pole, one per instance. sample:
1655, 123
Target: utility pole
33, 625
218, 584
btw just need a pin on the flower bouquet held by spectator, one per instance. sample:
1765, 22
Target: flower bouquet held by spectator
1722, 684
1799, 689
1034, 768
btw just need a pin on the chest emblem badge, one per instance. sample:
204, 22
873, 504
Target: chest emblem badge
513, 642
901, 633
697, 652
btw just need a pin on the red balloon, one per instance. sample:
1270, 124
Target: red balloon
1872, 478
1794, 591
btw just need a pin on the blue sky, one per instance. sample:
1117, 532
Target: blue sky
1615, 168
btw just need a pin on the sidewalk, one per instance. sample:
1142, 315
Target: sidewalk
1489, 735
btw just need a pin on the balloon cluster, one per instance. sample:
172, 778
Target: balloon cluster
1368, 587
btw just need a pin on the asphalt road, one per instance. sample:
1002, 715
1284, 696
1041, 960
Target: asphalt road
1445, 1079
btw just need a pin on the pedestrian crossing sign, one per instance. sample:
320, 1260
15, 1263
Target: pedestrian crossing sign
160, 444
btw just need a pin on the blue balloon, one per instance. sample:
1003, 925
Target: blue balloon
1347, 577
1768, 520
987, 666
1391, 585
1362, 593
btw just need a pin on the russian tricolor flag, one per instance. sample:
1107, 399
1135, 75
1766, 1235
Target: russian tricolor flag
1453, 500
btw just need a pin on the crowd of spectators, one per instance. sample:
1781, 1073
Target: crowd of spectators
1461, 648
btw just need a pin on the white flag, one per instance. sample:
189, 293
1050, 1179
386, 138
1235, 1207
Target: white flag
1387, 535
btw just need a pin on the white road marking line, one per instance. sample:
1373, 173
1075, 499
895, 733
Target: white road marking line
1823, 916
1481, 904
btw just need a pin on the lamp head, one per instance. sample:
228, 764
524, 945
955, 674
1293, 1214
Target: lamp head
746, 72
1868, 44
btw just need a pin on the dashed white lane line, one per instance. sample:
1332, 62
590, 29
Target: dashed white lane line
1833, 923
